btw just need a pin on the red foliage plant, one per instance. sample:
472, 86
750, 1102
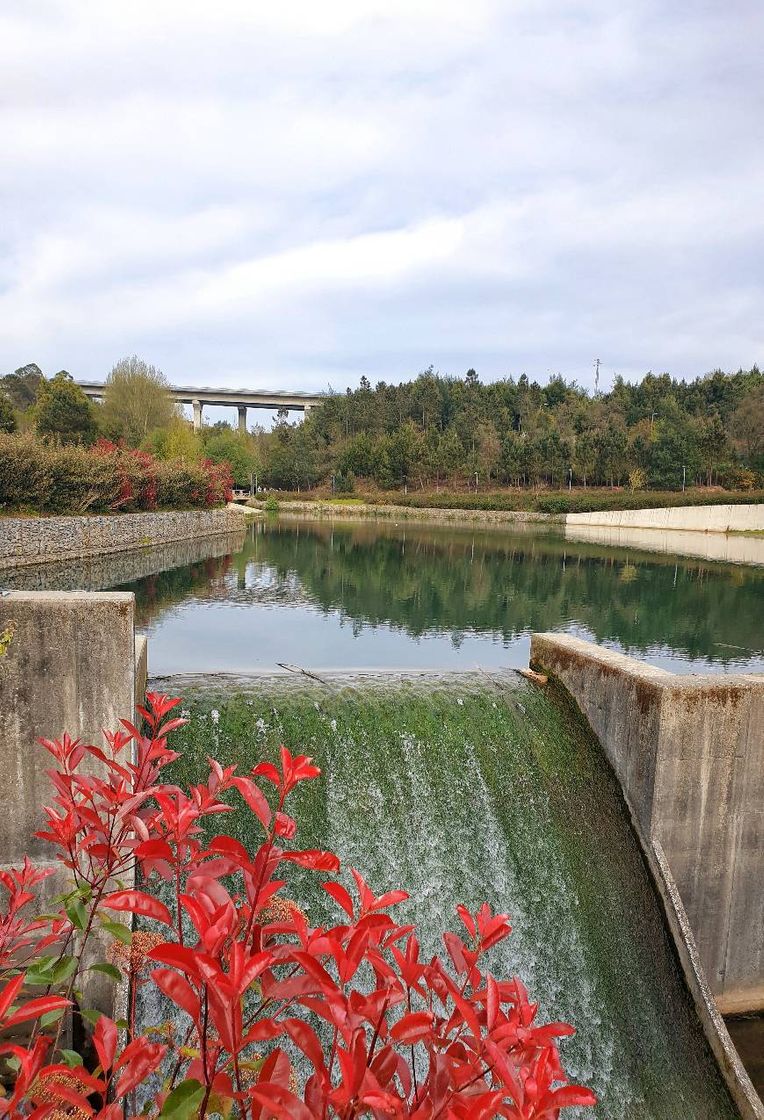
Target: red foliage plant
273, 1017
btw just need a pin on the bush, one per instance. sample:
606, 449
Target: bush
271, 504
251, 982
105, 478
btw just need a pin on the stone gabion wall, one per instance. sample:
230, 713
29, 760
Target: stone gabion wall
34, 540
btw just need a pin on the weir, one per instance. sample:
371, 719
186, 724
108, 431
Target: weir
469, 787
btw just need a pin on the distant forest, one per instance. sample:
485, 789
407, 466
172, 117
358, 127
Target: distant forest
436, 431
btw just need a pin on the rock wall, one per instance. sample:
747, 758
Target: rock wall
37, 540
689, 752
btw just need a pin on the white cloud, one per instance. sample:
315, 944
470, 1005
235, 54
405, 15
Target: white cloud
303, 192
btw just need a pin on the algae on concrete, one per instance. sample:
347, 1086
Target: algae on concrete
476, 789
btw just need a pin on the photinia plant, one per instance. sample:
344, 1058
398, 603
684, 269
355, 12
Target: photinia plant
273, 1017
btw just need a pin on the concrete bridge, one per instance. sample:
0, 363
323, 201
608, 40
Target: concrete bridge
242, 399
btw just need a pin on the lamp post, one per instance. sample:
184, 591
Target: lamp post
684, 476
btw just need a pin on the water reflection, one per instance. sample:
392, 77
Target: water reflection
370, 595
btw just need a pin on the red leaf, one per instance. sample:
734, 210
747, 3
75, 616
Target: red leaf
256, 800
9, 993
413, 1027
138, 902
105, 1041
314, 859
178, 990
279, 1102
35, 1008
340, 895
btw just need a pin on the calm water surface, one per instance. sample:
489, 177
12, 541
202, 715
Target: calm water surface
324, 595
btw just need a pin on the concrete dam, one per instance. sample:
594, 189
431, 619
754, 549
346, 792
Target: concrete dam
612, 813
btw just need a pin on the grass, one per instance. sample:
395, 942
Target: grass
578, 500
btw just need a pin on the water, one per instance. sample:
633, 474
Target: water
379, 596
475, 789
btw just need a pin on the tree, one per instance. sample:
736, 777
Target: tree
136, 401
63, 412
21, 386
223, 445
747, 424
177, 441
7, 415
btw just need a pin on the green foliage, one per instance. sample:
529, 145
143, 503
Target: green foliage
438, 430
63, 413
271, 504
223, 445
7, 415
21, 386
136, 401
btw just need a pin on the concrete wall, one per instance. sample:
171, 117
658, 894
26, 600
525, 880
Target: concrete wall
36, 540
702, 519
728, 548
69, 666
67, 663
689, 752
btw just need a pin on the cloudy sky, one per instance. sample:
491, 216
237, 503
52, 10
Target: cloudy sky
293, 194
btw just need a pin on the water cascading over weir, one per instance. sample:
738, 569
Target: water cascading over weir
458, 788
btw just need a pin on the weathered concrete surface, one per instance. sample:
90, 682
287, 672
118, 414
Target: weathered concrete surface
69, 666
689, 752
728, 548
36, 540
141, 667
741, 1088
701, 519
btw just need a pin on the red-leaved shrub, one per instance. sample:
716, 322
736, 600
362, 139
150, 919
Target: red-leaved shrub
381, 1031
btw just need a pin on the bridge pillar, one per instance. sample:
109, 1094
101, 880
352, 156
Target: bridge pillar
197, 407
242, 418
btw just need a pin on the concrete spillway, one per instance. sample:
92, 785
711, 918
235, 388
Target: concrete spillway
479, 788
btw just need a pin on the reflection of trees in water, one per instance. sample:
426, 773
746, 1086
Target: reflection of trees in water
425, 580
154, 594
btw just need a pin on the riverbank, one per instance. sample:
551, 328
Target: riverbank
38, 540
724, 518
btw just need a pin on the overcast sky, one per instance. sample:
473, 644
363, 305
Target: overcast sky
293, 194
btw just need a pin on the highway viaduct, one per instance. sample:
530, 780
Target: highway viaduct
242, 399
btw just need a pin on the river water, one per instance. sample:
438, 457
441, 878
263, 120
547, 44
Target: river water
374, 595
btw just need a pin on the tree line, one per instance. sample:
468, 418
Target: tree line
435, 431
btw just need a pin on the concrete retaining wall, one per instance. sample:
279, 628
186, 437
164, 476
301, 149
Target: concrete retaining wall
689, 752
701, 519
36, 540
67, 663
728, 548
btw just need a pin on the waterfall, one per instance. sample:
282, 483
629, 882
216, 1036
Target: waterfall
471, 789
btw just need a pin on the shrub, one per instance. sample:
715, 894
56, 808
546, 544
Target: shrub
271, 504
104, 478
382, 1031
7, 415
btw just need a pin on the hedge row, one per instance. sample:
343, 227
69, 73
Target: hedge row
561, 501
46, 478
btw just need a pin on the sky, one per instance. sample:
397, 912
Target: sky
293, 195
